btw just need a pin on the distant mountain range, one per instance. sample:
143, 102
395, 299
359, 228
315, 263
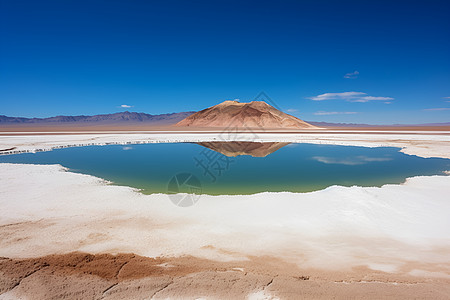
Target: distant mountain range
128, 117
153, 120
328, 124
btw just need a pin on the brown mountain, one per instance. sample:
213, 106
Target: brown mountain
255, 114
233, 149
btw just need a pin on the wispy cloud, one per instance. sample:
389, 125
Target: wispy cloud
291, 110
437, 109
350, 97
333, 96
352, 75
371, 98
326, 113
350, 161
126, 106
446, 97
127, 148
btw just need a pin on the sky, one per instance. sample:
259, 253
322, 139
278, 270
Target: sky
373, 62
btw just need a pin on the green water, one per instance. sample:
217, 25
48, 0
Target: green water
294, 168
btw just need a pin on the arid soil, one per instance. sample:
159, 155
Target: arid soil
127, 276
71, 127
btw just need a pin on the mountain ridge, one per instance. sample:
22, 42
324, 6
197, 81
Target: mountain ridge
254, 114
126, 116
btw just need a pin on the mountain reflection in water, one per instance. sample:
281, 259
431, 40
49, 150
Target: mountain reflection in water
233, 149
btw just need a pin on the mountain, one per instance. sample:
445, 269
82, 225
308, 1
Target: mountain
128, 117
329, 124
255, 114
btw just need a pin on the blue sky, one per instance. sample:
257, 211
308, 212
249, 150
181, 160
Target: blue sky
338, 61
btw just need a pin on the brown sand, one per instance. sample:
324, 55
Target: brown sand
139, 127
128, 276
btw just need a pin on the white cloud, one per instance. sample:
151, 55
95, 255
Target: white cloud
350, 97
352, 75
437, 109
446, 97
292, 110
127, 148
126, 106
326, 113
350, 161
333, 96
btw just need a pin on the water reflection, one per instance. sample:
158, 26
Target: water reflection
350, 161
233, 149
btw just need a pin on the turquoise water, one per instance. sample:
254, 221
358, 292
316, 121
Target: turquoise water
293, 167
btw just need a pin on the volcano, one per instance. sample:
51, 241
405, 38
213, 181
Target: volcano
255, 114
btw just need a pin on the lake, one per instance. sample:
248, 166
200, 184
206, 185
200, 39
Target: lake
219, 168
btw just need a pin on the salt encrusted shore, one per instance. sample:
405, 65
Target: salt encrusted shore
423, 144
413, 218
396, 236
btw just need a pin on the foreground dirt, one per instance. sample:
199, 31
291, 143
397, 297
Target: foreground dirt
128, 276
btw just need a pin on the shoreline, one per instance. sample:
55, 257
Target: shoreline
340, 241
50, 182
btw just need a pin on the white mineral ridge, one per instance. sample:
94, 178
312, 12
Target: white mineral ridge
45, 209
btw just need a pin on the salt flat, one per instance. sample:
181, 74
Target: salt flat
338, 227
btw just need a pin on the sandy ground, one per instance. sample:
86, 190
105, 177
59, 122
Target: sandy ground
132, 126
341, 242
128, 276
420, 143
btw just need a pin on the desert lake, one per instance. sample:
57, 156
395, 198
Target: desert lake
225, 168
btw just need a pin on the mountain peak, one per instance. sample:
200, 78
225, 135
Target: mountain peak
229, 102
254, 114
